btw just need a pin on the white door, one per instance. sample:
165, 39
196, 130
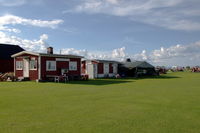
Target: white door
106, 68
95, 70
26, 68
115, 68
90, 70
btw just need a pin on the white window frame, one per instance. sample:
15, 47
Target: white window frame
47, 68
73, 66
34, 64
19, 65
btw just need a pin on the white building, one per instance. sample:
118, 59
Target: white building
99, 68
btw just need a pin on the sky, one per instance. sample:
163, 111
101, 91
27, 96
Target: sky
161, 32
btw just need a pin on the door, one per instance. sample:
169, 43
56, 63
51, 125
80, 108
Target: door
115, 68
95, 70
106, 69
26, 68
90, 71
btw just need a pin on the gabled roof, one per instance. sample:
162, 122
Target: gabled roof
6, 50
137, 64
25, 52
46, 55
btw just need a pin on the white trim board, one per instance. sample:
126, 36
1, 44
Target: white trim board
61, 59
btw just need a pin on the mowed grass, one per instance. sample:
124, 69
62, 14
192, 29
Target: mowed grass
166, 104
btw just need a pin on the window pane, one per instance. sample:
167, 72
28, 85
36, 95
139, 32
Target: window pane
51, 65
73, 66
19, 65
33, 64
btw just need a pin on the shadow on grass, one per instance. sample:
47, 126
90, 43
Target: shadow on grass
153, 77
119, 81
99, 82
111, 81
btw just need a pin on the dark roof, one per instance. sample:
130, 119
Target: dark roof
107, 61
61, 55
137, 64
6, 50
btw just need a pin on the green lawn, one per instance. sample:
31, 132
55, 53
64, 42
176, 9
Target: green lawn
168, 104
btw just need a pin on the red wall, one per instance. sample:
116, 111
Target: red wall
43, 67
100, 68
18, 73
78, 72
33, 74
60, 65
110, 68
6, 65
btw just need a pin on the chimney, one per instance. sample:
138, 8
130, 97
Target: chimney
50, 50
128, 60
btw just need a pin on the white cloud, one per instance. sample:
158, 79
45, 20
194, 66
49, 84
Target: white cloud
141, 56
180, 55
170, 14
123, 7
74, 51
11, 3
113, 1
7, 22
5, 28
39, 45
119, 53
116, 54
13, 20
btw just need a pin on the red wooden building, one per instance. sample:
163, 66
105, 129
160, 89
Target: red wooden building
42, 66
6, 61
99, 68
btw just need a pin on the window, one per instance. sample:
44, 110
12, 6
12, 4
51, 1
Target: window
19, 65
51, 65
33, 64
110, 68
100, 68
72, 66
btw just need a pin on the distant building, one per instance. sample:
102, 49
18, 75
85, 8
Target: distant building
43, 66
6, 61
99, 68
136, 68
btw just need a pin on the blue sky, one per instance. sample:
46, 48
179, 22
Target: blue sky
161, 32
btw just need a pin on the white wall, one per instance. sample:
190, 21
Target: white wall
106, 68
115, 68
91, 70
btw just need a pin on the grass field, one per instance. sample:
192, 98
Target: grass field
166, 104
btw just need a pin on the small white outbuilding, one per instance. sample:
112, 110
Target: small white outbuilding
99, 68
